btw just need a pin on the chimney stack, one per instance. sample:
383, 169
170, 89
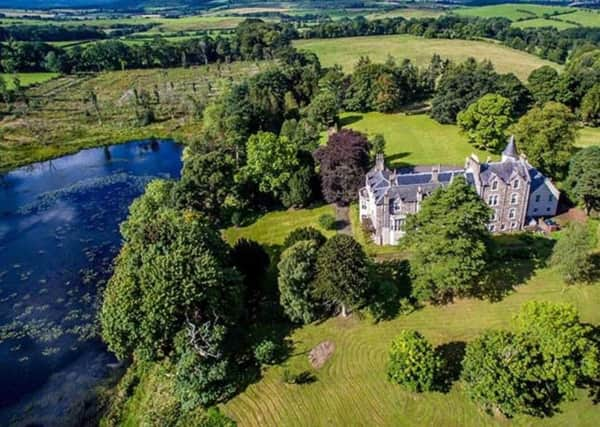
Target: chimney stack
434, 173
380, 162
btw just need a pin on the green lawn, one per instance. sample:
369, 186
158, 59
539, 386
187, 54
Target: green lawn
272, 228
586, 18
415, 139
352, 390
511, 11
347, 51
28, 79
588, 136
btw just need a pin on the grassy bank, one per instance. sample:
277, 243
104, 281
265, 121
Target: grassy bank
347, 51
61, 118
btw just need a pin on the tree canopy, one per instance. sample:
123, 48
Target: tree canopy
449, 238
583, 179
485, 122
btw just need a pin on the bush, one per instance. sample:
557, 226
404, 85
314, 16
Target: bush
413, 362
327, 221
304, 377
266, 352
304, 233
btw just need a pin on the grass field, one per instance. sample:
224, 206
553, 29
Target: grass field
541, 22
407, 13
272, 228
347, 51
28, 79
59, 120
513, 12
588, 136
415, 139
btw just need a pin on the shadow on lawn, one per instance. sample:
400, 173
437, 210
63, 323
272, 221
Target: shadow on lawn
514, 259
348, 120
452, 354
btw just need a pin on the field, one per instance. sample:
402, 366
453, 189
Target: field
28, 79
541, 22
415, 139
407, 13
347, 51
272, 228
588, 136
514, 12
60, 119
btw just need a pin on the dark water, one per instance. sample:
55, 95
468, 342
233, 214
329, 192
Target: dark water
58, 236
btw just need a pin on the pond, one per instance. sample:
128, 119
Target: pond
59, 234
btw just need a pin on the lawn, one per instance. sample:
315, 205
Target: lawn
407, 13
347, 51
272, 228
28, 79
352, 390
415, 139
588, 136
586, 18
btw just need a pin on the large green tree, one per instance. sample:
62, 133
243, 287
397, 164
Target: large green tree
572, 254
449, 238
547, 135
173, 274
270, 162
590, 106
342, 273
536, 367
583, 179
413, 362
485, 122
297, 273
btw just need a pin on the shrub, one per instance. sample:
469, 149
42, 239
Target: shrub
304, 233
327, 221
266, 352
413, 362
304, 377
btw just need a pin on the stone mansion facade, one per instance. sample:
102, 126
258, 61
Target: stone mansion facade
516, 191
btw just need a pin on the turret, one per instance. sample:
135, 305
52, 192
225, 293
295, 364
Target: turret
510, 152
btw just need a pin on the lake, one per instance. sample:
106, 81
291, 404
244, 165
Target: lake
59, 234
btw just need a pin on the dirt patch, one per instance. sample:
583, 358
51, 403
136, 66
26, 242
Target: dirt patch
321, 354
572, 215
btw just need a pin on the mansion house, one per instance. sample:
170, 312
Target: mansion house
516, 191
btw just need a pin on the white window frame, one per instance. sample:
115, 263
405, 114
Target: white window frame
495, 185
494, 215
514, 198
493, 200
516, 184
492, 228
513, 225
512, 213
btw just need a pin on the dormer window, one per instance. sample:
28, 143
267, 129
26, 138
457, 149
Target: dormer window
495, 185
514, 198
516, 184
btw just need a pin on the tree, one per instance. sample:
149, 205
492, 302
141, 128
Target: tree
173, 274
377, 145
583, 179
207, 185
547, 135
343, 163
544, 84
485, 122
413, 362
459, 86
297, 272
509, 86
342, 273
324, 109
304, 233
449, 238
572, 254
536, 367
299, 189
590, 106
270, 162
252, 261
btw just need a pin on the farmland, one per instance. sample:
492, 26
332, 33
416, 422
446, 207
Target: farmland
28, 79
346, 52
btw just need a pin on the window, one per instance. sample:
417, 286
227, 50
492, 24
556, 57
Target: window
503, 227
494, 216
514, 198
513, 225
535, 209
492, 228
397, 206
495, 185
516, 184
512, 213
398, 224
547, 209
538, 197
550, 198
493, 200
